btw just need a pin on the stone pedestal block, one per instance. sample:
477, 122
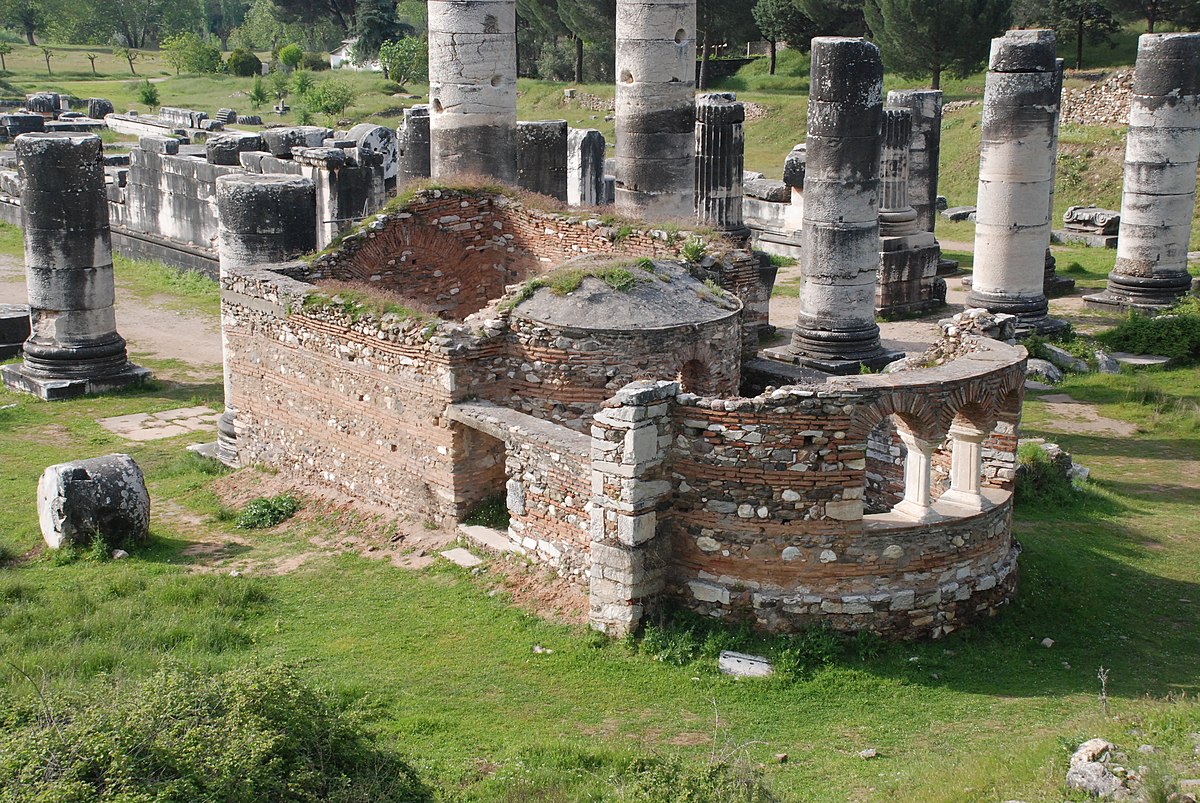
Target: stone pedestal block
413, 144
105, 497
836, 327
542, 157
1161, 154
14, 329
655, 109
73, 348
473, 88
720, 162
1016, 163
585, 167
380, 140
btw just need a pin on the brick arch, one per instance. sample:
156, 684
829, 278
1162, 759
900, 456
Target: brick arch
923, 414
434, 266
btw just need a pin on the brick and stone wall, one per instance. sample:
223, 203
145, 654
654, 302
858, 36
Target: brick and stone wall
454, 250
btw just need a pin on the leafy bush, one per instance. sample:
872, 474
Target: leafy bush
254, 733
264, 512
314, 61
1040, 483
244, 63
798, 656
405, 59
147, 93
663, 780
302, 83
1175, 334
693, 250
291, 55
330, 97
189, 53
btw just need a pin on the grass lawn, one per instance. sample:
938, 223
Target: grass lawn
446, 670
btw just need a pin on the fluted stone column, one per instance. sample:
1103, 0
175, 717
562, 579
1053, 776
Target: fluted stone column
720, 162
264, 219
542, 157
925, 150
585, 167
655, 110
473, 88
1016, 162
413, 141
73, 347
836, 327
908, 255
1052, 283
1161, 152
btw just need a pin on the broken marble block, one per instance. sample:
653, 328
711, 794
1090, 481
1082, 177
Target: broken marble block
104, 496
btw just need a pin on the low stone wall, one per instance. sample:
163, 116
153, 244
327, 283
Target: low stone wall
762, 502
1103, 103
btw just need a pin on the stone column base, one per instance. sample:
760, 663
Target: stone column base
830, 365
18, 377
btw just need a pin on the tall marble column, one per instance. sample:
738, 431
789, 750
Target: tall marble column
656, 110
1016, 163
1161, 153
73, 347
720, 162
836, 327
473, 88
264, 219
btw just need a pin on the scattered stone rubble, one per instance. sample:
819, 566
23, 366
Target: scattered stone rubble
1103, 103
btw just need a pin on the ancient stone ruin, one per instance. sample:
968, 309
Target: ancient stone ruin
1161, 153
73, 348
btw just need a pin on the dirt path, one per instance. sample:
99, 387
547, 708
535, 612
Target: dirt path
149, 328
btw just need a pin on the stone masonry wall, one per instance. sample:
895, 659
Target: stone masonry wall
456, 249
356, 406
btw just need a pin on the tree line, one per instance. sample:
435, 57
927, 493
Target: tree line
574, 40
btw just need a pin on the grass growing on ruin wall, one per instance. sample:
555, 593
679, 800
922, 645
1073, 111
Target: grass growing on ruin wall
359, 301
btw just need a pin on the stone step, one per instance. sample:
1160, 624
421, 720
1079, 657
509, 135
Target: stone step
487, 537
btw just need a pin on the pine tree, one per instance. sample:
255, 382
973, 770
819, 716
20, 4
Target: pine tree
921, 38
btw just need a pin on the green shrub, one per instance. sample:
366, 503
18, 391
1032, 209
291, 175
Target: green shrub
330, 97
1175, 334
314, 61
302, 83
190, 53
251, 734
146, 92
674, 781
244, 63
804, 653
1040, 483
291, 56
265, 512
693, 250
258, 94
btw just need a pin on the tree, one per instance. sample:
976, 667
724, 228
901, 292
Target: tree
1184, 13
376, 23
47, 53
92, 58
782, 21
717, 22
29, 16
308, 12
5, 49
331, 97
224, 16
405, 59
129, 54
590, 22
921, 38
835, 17
189, 52
1077, 21
290, 55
